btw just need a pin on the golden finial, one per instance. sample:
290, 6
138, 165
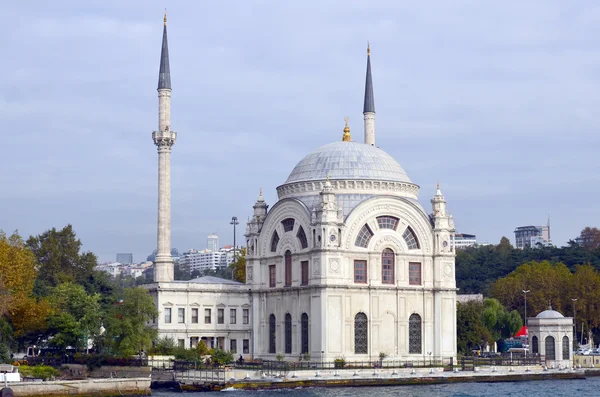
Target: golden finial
165, 18
346, 137
368, 48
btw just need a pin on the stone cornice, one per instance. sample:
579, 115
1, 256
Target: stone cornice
349, 186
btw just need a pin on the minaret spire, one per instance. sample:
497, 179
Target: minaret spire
369, 105
164, 139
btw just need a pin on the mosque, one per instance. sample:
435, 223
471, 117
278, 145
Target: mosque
347, 263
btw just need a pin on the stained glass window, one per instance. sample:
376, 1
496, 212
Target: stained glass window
288, 333
304, 326
274, 242
364, 235
387, 222
272, 330
534, 345
361, 333
411, 239
387, 266
414, 334
302, 237
566, 348
288, 224
550, 349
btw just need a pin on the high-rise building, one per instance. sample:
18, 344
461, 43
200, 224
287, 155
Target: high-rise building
464, 240
126, 259
532, 236
212, 242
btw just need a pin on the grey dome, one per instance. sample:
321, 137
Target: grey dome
348, 160
549, 314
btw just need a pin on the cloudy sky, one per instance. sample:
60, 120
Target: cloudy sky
497, 100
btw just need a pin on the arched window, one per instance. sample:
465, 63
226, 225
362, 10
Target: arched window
288, 224
302, 238
288, 333
361, 334
364, 235
550, 349
414, 334
534, 345
388, 262
304, 326
387, 222
566, 350
411, 239
274, 241
272, 330
288, 268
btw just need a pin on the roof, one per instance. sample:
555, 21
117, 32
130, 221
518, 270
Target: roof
348, 160
213, 280
164, 74
549, 314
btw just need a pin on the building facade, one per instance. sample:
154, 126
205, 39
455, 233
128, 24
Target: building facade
551, 336
464, 240
212, 242
126, 259
530, 236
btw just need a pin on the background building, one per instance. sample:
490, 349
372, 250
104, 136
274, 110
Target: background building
206, 259
530, 236
212, 242
126, 259
464, 240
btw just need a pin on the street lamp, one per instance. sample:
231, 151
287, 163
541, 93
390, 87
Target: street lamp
234, 222
525, 292
574, 321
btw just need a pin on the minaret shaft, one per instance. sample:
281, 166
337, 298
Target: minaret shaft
369, 104
164, 139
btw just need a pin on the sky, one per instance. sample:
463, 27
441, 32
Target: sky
498, 101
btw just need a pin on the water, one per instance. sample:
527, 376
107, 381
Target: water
554, 388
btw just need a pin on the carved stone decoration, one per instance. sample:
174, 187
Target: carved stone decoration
448, 270
334, 265
249, 273
316, 267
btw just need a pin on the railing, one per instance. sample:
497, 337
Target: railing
200, 376
469, 362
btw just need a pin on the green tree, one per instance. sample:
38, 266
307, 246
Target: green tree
239, 266
128, 325
76, 316
499, 322
470, 329
59, 260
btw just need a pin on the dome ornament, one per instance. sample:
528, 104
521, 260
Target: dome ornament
347, 137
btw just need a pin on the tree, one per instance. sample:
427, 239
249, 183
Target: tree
128, 324
59, 260
498, 321
470, 330
239, 266
76, 316
590, 238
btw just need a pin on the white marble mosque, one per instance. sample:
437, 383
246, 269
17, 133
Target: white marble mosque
347, 263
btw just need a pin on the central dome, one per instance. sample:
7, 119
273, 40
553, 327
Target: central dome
348, 160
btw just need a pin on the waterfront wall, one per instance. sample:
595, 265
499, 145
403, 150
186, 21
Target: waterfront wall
83, 388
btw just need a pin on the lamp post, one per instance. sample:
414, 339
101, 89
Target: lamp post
574, 321
234, 222
525, 292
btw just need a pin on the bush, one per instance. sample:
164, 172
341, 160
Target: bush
39, 372
221, 357
4, 354
339, 362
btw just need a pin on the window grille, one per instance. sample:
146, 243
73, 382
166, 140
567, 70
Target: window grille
361, 333
272, 330
288, 333
364, 236
550, 349
387, 222
304, 326
388, 262
302, 237
288, 224
414, 334
274, 241
411, 239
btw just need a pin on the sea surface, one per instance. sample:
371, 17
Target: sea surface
555, 388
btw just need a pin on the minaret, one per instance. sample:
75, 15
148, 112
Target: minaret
164, 139
369, 106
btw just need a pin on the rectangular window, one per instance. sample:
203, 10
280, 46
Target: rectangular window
272, 276
304, 268
181, 315
194, 342
414, 273
181, 343
220, 316
194, 316
207, 316
288, 269
360, 272
233, 346
167, 315
246, 316
246, 346
232, 316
